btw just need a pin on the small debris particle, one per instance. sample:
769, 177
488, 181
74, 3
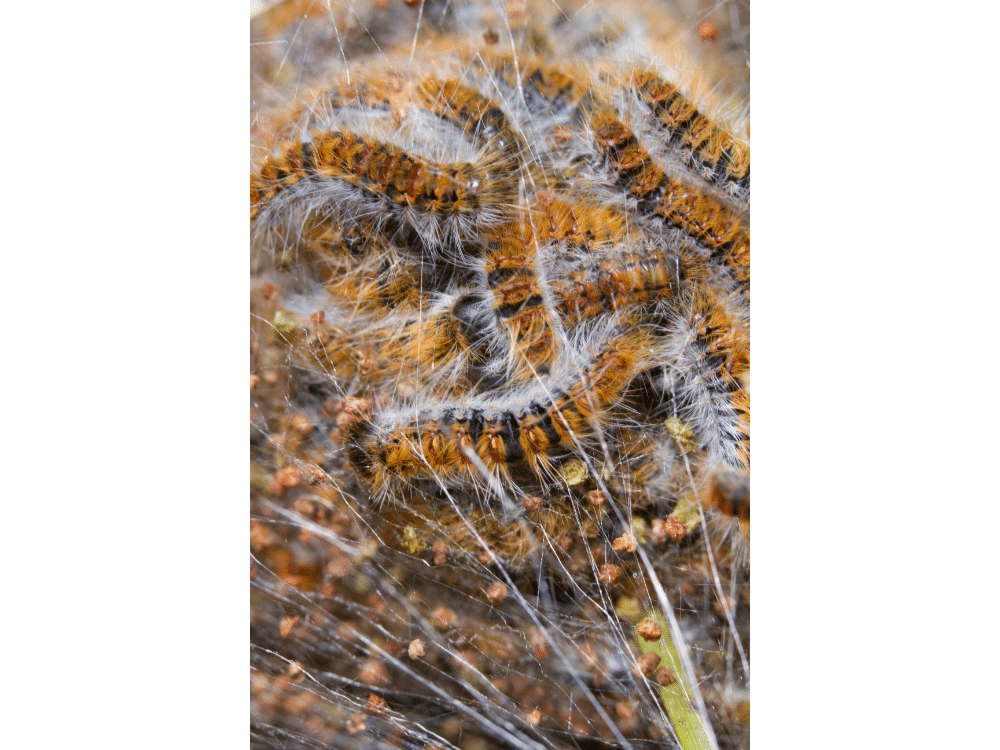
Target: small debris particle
444, 617
374, 673
682, 435
287, 477
573, 472
645, 664
666, 677
650, 629
675, 529
609, 574
286, 625
416, 649
377, 705
624, 543
413, 543
497, 592
356, 724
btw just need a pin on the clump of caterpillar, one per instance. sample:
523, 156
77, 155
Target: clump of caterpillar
699, 360
498, 406
524, 272
639, 134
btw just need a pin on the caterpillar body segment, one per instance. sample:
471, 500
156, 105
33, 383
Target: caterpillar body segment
560, 217
458, 327
708, 221
623, 279
520, 299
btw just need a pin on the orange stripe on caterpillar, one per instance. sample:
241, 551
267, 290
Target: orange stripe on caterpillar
710, 222
729, 493
381, 286
459, 331
556, 85
554, 216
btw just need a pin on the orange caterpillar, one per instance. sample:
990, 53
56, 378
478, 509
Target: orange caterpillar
624, 279
710, 151
360, 178
502, 431
563, 217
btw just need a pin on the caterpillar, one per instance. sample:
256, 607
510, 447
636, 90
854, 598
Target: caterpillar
527, 427
705, 354
374, 177
474, 113
713, 153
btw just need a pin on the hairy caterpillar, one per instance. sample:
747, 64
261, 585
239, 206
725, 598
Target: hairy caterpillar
528, 426
337, 172
500, 346
708, 149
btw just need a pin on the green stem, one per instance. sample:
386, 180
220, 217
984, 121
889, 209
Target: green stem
689, 726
